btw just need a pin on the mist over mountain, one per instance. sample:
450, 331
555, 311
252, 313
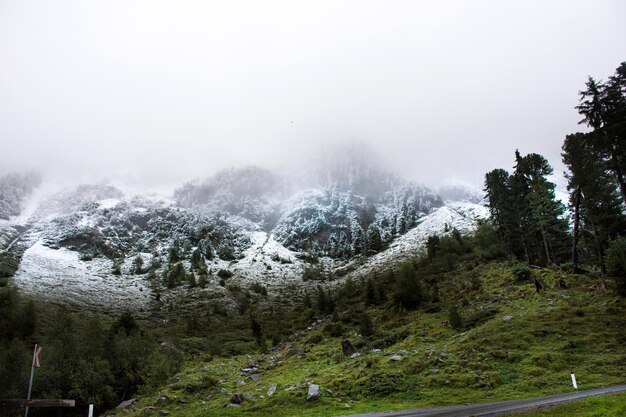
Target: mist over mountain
14, 190
258, 224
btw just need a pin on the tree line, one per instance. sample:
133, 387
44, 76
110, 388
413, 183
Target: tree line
86, 358
533, 224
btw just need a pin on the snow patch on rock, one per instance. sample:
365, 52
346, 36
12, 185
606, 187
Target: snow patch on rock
58, 275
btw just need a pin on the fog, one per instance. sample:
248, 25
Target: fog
174, 90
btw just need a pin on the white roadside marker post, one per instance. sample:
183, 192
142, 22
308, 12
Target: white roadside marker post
574, 381
90, 410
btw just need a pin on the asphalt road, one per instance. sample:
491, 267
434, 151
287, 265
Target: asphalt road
498, 408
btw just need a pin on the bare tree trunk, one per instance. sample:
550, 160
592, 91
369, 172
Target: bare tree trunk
620, 179
524, 244
575, 232
603, 285
546, 246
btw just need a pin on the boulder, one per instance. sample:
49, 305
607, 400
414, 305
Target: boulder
272, 390
237, 398
314, 392
347, 347
127, 403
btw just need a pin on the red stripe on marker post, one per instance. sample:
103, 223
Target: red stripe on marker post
37, 356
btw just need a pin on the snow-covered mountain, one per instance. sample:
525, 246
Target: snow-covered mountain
96, 247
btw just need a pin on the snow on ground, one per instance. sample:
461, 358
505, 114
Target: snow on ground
31, 205
460, 215
9, 228
57, 275
469, 210
109, 203
267, 261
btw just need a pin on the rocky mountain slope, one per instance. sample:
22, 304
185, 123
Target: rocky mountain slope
94, 246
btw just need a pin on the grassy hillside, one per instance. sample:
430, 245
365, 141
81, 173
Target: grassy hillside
512, 342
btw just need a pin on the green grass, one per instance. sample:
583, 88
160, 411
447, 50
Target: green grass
605, 406
520, 344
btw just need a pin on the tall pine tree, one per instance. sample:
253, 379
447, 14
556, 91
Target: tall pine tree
523, 206
603, 107
594, 198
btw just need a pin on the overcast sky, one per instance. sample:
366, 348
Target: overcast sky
178, 89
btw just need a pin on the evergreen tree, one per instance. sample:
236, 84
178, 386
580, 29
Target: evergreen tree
454, 318
186, 247
358, 241
138, 265
116, 269
374, 241
616, 262
523, 206
371, 295
366, 326
432, 247
257, 331
196, 260
594, 198
191, 278
306, 301
175, 275
174, 253
203, 280
152, 275
603, 107
503, 210
408, 292
324, 301
545, 213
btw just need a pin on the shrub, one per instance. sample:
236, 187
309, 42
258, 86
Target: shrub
521, 272
224, 274
479, 316
489, 242
380, 384
333, 329
389, 338
325, 302
366, 327
312, 274
259, 288
372, 361
191, 278
203, 281
116, 269
454, 318
138, 265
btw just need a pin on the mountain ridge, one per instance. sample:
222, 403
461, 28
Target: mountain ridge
257, 226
